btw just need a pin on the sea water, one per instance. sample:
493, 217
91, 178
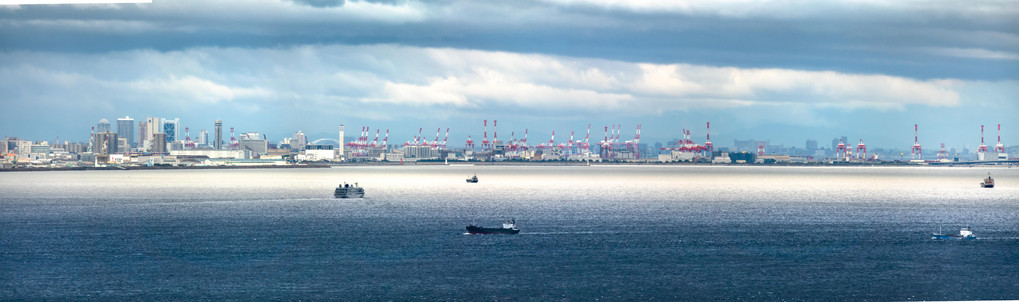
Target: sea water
587, 233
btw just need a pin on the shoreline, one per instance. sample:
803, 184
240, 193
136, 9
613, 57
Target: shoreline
503, 163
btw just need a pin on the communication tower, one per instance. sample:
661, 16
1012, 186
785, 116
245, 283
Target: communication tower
485, 144
707, 144
999, 148
495, 133
233, 139
983, 147
187, 138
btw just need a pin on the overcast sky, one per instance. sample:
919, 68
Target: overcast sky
784, 71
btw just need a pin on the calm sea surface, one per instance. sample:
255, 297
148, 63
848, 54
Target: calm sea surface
588, 233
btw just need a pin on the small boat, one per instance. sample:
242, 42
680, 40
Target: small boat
349, 191
965, 233
988, 182
473, 179
510, 227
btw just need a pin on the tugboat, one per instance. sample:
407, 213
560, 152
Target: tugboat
988, 182
473, 179
965, 233
509, 227
348, 191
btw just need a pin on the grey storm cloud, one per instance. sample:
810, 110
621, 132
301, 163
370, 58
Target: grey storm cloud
757, 64
897, 38
389, 83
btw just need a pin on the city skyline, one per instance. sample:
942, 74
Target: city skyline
784, 72
597, 135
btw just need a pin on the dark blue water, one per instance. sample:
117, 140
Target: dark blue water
595, 234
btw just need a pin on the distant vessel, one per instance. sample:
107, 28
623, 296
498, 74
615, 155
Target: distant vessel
348, 191
965, 233
510, 227
988, 182
473, 179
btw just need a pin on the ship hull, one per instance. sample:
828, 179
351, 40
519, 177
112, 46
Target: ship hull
949, 237
480, 230
349, 193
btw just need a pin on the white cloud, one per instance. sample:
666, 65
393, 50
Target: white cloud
59, 87
255, 17
104, 26
721, 7
973, 53
279, 11
403, 80
804, 8
191, 88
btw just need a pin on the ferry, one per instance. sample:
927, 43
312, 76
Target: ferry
509, 227
349, 191
473, 179
988, 182
965, 233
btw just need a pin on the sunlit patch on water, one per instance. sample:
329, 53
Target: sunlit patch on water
625, 232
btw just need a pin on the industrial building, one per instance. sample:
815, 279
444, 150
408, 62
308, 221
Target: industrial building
254, 142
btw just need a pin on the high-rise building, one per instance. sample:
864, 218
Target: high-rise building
142, 125
103, 126
203, 138
125, 129
299, 142
218, 144
340, 151
105, 143
745, 145
172, 130
811, 144
122, 145
153, 126
159, 143
835, 142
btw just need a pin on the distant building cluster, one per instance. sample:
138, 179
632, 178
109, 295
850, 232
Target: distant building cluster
161, 142
157, 142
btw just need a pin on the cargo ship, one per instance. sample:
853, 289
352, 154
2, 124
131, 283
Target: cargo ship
988, 182
348, 191
473, 179
965, 233
510, 227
